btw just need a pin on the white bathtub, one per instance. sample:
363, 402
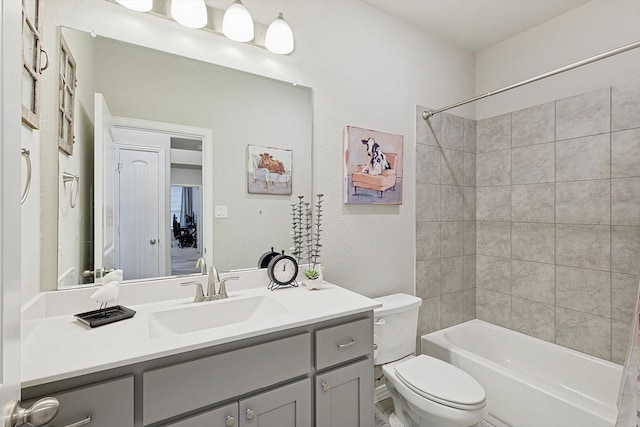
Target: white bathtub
530, 382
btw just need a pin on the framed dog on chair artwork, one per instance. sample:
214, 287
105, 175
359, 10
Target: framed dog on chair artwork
373, 163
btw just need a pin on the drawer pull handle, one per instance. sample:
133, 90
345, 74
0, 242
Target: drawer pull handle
251, 414
231, 421
346, 345
325, 387
81, 422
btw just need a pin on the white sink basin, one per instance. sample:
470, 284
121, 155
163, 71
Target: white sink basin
208, 315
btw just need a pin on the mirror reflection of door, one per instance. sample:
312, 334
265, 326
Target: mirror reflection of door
186, 213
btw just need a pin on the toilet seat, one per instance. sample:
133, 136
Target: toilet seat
441, 382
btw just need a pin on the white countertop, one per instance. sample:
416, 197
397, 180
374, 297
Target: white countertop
56, 346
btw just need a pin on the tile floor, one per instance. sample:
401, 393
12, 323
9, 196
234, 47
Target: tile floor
384, 408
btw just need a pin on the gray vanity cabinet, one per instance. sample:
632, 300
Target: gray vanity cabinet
288, 406
344, 396
344, 381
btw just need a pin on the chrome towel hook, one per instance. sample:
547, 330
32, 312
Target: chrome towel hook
26, 153
74, 191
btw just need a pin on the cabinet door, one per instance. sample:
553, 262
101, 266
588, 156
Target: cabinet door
344, 396
227, 416
288, 406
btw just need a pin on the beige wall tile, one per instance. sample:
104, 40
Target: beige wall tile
469, 169
452, 271
493, 134
469, 272
493, 168
533, 203
493, 274
585, 246
620, 338
493, 238
452, 131
624, 292
583, 158
469, 203
533, 318
534, 281
451, 238
469, 135
452, 167
625, 106
582, 115
533, 125
428, 164
427, 202
429, 316
427, 131
452, 307
493, 307
533, 164
469, 238
625, 153
588, 291
533, 241
583, 332
493, 203
428, 278
583, 202
625, 249
625, 194
451, 203
427, 240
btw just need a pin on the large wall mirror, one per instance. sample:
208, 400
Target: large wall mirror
166, 164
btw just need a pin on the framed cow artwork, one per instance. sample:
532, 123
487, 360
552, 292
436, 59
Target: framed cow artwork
269, 170
373, 164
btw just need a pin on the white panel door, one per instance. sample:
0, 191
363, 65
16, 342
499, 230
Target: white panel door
10, 188
140, 205
105, 249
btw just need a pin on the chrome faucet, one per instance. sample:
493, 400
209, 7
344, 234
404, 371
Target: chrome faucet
202, 265
199, 293
211, 285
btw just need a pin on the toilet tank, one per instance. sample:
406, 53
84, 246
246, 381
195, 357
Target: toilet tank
395, 327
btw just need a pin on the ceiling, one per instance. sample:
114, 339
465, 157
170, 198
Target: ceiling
475, 25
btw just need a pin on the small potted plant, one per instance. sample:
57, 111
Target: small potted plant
307, 240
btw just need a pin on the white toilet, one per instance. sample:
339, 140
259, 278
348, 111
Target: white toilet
426, 391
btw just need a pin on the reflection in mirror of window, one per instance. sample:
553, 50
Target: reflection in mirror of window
66, 97
31, 63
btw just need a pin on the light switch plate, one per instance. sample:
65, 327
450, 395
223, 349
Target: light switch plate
221, 212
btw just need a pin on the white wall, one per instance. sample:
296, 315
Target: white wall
366, 69
596, 27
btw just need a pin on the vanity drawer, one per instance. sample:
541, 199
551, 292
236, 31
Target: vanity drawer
342, 343
176, 389
106, 404
214, 418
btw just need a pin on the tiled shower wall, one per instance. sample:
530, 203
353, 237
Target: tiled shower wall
558, 221
445, 220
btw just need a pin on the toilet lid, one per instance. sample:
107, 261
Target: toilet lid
441, 382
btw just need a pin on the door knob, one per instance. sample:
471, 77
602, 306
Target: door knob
251, 414
152, 241
231, 421
325, 387
39, 414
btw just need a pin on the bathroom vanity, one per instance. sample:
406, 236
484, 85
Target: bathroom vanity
291, 357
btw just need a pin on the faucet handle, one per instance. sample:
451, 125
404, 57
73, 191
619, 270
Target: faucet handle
222, 293
199, 291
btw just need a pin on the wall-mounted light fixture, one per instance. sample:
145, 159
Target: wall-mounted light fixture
190, 13
279, 37
137, 5
234, 23
237, 23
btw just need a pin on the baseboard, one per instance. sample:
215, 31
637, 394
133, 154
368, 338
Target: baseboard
380, 393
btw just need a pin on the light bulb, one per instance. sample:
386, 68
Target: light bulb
190, 13
237, 23
137, 5
279, 37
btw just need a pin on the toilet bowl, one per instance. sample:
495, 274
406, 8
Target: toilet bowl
426, 392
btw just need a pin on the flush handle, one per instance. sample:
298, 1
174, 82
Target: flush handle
346, 345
